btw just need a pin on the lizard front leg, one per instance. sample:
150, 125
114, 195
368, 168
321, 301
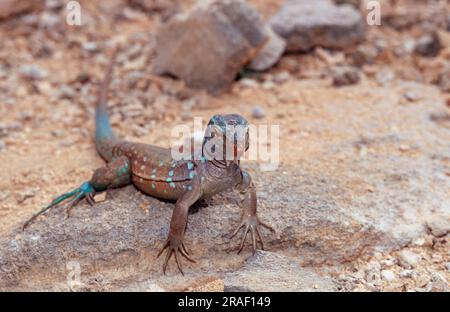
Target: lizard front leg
250, 220
115, 174
174, 243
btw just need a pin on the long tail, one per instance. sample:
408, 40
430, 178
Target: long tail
105, 138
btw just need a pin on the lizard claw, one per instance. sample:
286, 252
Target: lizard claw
251, 225
85, 190
174, 247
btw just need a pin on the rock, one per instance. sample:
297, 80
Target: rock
363, 54
281, 77
419, 242
268, 85
444, 80
54, 5
90, 46
258, 112
66, 92
249, 83
410, 96
306, 24
4, 195
438, 283
447, 266
208, 46
408, 46
372, 272
408, 259
439, 225
270, 53
322, 210
9, 8
387, 275
50, 21
385, 76
27, 193
388, 262
399, 17
2, 146
154, 6
32, 72
267, 271
407, 273
428, 45
345, 75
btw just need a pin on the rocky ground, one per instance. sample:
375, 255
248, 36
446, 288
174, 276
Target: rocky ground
360, 201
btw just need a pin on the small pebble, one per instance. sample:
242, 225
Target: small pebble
50, 20
249, 83
385, 76
268, 85
32, 72
388, 275
139, 130
2, 146
100, 197
408, 259
258, 112
4, 195
281, 77
28, 193
447, 266
419, 241
388, 263
66, 92
90, 46
428, 45
410, 96
439, 225
345, 76
404, 147
407, 273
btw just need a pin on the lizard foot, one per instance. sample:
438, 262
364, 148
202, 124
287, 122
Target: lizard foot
252, 224
85, 190
175, 246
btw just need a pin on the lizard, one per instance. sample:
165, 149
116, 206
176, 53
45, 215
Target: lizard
154, 171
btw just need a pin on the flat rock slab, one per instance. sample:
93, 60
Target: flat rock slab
374, 184
267, 271
209, 45
306, 24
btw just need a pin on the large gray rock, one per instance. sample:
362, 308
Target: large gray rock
270, 53
267, 271
306, 24
209, 45
12, 7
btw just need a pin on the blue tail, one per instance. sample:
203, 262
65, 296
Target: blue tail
105, 138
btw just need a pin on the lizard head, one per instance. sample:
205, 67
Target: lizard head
226, 137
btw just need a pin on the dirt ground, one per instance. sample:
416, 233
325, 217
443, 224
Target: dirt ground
46, 124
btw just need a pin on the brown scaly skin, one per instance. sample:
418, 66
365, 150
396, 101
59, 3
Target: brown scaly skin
153, 171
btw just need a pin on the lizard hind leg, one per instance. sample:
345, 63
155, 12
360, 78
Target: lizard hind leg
115, 174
